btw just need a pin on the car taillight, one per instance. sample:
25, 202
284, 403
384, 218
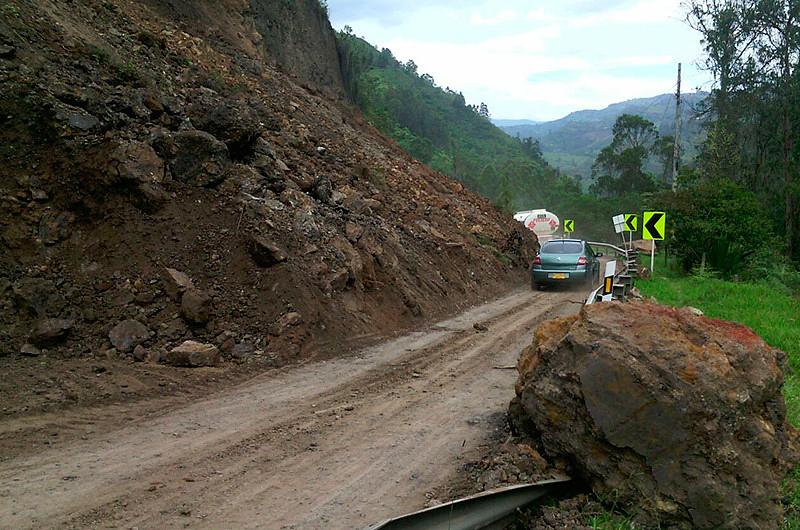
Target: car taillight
537, 260
582, 260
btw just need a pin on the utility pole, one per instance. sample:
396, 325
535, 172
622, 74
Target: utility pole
676, 150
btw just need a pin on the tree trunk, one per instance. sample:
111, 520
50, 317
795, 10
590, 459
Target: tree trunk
787, 137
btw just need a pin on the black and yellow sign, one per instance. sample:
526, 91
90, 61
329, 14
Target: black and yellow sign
569, 226
654, 225
608, 285
631, 220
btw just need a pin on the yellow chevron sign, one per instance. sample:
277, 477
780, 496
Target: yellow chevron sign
654, 225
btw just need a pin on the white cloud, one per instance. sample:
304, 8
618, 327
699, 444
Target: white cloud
503, 16
528, 59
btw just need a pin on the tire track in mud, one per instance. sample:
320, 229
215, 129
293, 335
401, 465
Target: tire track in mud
318, 446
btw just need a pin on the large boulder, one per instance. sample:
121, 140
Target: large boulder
193, 354
677, 416
136, 162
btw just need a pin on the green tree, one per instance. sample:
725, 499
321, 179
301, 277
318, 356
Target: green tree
619, 167
752, 48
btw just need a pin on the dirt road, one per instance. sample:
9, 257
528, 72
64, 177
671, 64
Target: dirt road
336, 444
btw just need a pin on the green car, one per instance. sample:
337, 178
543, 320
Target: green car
565, 261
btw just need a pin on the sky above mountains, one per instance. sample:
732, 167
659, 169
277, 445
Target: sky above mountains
533, 59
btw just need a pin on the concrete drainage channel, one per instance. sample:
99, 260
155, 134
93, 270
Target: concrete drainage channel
490, 510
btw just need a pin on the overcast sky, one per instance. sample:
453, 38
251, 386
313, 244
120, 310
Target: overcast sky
534, 59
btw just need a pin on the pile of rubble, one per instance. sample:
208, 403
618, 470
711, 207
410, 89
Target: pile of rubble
171, 196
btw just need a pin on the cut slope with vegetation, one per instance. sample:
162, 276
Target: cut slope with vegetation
437, 127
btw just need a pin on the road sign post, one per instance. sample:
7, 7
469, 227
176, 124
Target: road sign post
654, 227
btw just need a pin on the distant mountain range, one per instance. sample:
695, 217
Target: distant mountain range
513, 123
572, 142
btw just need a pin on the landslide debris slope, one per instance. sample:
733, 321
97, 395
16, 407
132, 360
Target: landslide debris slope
189, 171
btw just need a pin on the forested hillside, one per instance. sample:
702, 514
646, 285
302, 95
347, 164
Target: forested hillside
436, 126
571, 143
749, 161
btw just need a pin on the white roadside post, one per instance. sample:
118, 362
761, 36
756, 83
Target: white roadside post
608, 280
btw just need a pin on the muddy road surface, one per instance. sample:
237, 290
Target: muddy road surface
337, 444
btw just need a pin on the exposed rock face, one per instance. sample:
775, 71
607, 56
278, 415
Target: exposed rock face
678, 416
298, 36
193, 354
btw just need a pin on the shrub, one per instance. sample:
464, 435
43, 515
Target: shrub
718, 221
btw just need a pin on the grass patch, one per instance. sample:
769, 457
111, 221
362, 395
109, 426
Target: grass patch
610, 521
774, 314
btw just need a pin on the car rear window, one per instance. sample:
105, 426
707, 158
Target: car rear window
561, 247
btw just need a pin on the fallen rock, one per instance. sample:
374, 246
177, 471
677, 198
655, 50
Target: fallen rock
353, 231
155, 355
679, 417
136, 162
55, 226
243, 350
80, 119
193, 354
48, 331
196, 157
36, 296
283, 324
29, 350
140, 353
196, 306
128, 334
264, 252
176, 283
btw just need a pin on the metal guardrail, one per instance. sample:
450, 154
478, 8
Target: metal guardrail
624, 278
484, 511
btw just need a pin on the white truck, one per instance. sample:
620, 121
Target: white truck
541, 222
